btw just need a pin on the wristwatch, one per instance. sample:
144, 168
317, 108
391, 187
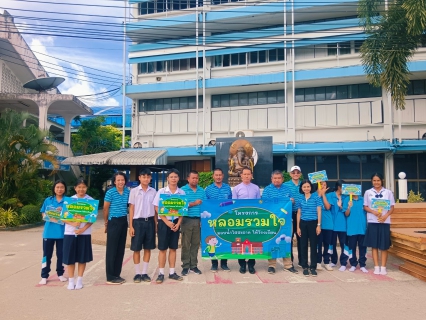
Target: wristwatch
319, 224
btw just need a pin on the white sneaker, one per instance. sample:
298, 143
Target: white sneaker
352, 269
328, 267
376, 270
383, 271
62, 279
332, 264
319, 267
363, 269
342, 268
43, 281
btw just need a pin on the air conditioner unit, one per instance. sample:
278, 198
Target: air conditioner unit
137, 144
243, 133
158, 78
147, 144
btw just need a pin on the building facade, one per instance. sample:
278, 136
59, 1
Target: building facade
290, 70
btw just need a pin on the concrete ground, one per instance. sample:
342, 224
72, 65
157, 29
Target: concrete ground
331, 295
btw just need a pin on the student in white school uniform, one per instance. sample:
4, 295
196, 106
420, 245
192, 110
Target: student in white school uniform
142, 224
78, 242
168, 229
378, 223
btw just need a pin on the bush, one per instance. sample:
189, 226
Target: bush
205, 179
8, 218
414, 198
30, 214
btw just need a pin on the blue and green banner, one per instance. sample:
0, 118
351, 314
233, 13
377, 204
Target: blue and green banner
246, 229
79, 210
173, 205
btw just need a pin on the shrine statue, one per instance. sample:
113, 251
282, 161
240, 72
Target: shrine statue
240, 156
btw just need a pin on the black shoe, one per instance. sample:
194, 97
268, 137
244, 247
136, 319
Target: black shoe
292, 270
137, 278
213, 269
299, 265
146, 278
185, 271
306, 272
175, 276
271, 270
251, 270
114, 281
195, 270
314, 273
225, 268
242, 270
160, 278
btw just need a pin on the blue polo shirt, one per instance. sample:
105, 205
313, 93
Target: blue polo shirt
339, 218
295, 194
308, 207
357, 219
118, 202
214, 192
272, 192
326, 217
52, 230
192, 195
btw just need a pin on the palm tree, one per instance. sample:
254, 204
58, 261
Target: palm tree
394, 34
22, 150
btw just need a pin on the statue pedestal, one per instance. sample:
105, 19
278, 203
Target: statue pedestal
233, 181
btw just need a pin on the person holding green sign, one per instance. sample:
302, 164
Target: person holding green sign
191, 225
168, 229
53, 232
378, 228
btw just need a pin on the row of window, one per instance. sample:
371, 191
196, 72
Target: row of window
157, 6
181, 103
169, 66
247, 99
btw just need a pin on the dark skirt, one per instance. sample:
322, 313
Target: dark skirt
377, 236
77, 249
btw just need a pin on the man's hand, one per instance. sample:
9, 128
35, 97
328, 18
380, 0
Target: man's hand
318, 230
299, 232
131, 232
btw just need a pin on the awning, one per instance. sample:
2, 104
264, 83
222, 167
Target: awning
121, 158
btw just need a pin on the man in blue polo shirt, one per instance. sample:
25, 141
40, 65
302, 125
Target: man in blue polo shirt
219, 190
278, 190
191, 228
293, 185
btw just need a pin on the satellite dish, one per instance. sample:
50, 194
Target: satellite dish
43, 84
137, 145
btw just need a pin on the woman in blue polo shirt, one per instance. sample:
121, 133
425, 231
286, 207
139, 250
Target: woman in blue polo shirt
324, 238
53, 233
115, 218
308, 225
356, 226
334, 203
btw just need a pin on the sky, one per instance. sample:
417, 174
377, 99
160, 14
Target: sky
91, 65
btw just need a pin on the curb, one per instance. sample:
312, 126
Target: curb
22, 227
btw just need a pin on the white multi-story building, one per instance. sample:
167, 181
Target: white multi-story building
290, 70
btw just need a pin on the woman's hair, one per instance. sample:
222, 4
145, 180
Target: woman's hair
119, 173
303, 182
57, 182
338, 184
378, 175
80, 181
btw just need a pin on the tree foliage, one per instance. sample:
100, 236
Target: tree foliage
22, 150
393, 37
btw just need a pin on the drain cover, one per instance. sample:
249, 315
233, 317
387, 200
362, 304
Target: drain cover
423, 231
10, 254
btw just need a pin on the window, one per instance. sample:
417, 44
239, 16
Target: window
243, 99
183, 103
262, 56
418, 87
320, 93
218, 61
252, 98
300, 95
233, 100
272, 97
358, 44
280, 96
175, 104
344, 48
330, 93
272, 55
224, 100
242, 58
309, 94
226, 60
159, 104
167, 104
342, 92
332, 49
253, 57
216, 101
234, 59
262, 98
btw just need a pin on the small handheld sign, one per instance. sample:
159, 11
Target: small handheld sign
79, 210
380, 204
173, 205
53, 214
351, 189
318, 177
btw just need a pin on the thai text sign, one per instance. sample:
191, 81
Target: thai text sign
53, 214
80, 210
253, 229
381, 204
318, 176
354, 189
173, 205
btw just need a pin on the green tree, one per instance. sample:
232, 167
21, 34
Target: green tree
393, 37
22, 150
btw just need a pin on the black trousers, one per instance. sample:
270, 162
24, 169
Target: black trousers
223, 262
250, 262
309, 234
48, 245
294, 233
115, 246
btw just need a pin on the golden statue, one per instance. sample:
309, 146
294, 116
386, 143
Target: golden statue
240, 156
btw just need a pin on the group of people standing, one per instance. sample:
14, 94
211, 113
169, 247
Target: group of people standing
319, 218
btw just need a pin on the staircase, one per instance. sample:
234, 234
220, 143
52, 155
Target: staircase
408, 235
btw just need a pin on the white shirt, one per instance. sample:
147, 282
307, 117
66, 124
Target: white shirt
142, 200
167, 190
370, 194
70, 230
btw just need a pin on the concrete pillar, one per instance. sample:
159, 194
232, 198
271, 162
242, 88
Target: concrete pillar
133, 173
42, 116
67, 129
388, 133
291, 161
389, 172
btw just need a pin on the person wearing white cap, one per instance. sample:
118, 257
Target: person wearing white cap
293, 185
